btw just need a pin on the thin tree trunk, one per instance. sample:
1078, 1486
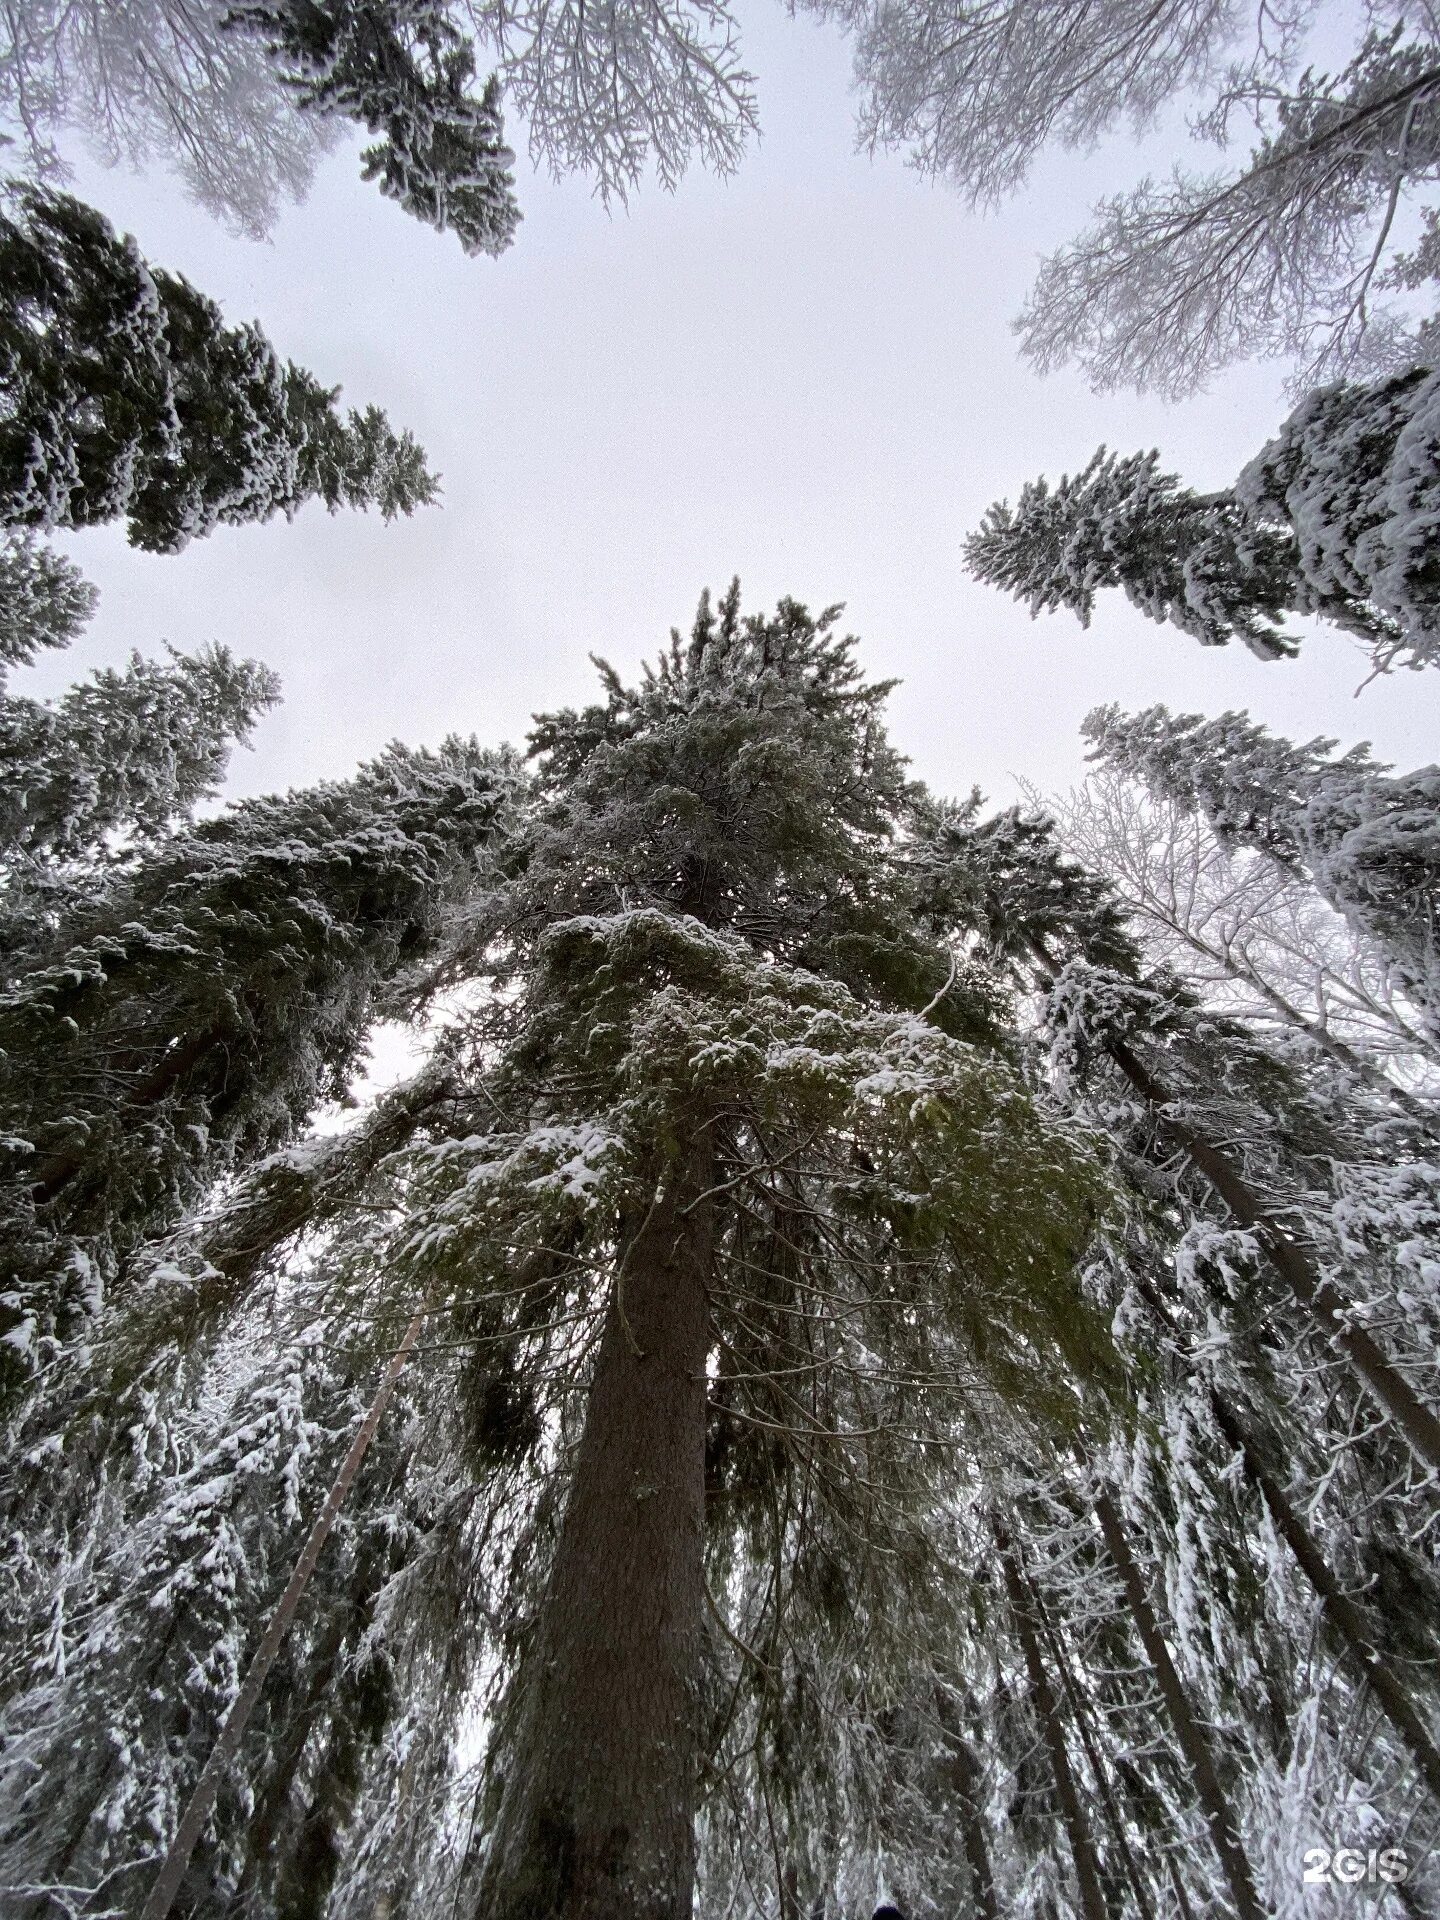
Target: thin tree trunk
269, 1813
1321, 1300
1087, 1871
966, 1774
1104, 1785
232, 1731
596, 1821
1344, 1616
1224, 1831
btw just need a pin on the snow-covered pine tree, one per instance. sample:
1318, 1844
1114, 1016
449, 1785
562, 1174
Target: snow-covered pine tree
87, 780
1367, 839
44, 602
193, 1014
127, 397
814, 1463
733, 1108
134, 1622
722, 1040
608, 92
1336, 516
1180, 556
132, 751
403, 69
1335, 1158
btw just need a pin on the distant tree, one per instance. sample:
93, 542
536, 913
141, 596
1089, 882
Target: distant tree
1336, 516
158, 79
1176, 279
1248, 934
44, 601
242, 96
126, 396
1367, 840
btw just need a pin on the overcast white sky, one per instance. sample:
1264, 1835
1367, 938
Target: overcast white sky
803, 375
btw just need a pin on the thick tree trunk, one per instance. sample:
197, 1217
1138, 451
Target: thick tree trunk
1224, 1832
1093, 1904
597, 1818
1320, 1300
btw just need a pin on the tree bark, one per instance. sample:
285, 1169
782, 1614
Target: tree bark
596, 1820
1224, 1832
1087, 1871
1104, 1785
1345, 1618
1320, 1300
965, 1772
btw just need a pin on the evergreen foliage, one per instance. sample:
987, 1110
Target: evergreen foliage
1335, 516
44, 602
131, 752
403, 69
127, 397
196, 1011
1354, 476
1120, 523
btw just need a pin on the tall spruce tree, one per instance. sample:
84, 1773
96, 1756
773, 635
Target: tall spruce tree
726, 1009
856, 1450
734, 1113
1335, 516
127, 397
197, 1011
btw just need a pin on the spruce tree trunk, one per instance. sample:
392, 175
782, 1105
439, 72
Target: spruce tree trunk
1224, 1832
965, 1771
596, 1821
1320, 1300
1093, 1905
1104, 1784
